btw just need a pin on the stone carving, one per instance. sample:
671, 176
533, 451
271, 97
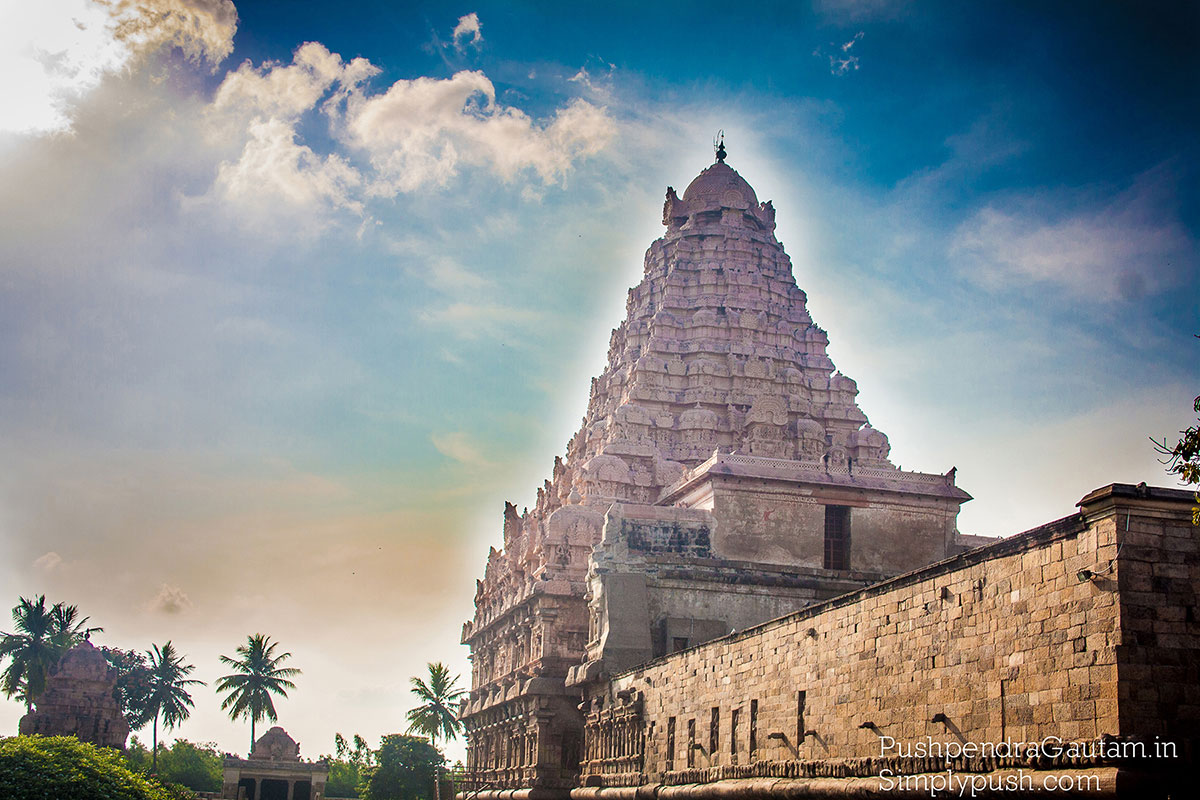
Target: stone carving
79, 701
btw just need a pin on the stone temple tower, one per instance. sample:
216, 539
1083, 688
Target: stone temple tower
720, 446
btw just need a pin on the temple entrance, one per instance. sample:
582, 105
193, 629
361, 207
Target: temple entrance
274, 790
302, 791
246, 789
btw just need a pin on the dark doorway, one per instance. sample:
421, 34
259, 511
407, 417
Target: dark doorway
303, 791
274, 790
246, 789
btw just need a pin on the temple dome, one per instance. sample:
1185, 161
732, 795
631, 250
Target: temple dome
721, 185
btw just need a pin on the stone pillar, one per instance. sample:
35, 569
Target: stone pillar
291, 789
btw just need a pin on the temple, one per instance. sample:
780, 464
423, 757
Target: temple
722, 476
726, 589
80, 701
274, 771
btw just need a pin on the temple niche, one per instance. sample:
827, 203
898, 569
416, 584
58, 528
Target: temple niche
720, 449
79, 701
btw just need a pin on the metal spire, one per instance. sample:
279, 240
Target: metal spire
719, 145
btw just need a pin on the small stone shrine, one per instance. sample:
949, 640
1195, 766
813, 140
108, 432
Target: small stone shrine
274, 771
79, 701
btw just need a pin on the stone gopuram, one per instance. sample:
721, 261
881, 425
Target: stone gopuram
274, 771
722, 476
79, 701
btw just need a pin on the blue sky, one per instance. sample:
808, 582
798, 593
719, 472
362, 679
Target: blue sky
294, 295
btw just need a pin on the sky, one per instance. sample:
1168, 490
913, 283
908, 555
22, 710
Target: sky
293, 296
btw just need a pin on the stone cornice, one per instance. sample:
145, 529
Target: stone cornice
818, 474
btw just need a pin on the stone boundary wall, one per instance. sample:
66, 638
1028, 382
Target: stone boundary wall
1012, 642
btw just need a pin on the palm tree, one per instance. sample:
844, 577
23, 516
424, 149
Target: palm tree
434, 717
67, 631
41, 637
168, 696
258, 676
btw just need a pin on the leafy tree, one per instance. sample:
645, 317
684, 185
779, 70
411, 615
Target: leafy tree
41, 636
64, 768
435, 718
137, 755
347, 766
344, 779
168, 696
404, 768
258, 675
362, 753
199, 767
133, 684
1183, 458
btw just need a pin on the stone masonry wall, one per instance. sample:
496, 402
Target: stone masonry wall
776, 523
1009, 642
1158, 658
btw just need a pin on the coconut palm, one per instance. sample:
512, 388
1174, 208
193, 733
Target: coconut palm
39, 639
168, 696
258, 676
68, 629
435, 717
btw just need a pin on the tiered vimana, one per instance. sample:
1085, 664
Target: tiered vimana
719, 438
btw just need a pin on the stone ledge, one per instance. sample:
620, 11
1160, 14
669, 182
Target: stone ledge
1113, 783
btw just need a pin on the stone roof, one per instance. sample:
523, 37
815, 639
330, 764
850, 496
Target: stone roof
715, 183
746, 466
276, 745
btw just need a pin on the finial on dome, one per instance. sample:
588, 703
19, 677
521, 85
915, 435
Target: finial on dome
719, 146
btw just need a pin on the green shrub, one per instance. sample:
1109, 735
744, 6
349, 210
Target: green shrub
64, 768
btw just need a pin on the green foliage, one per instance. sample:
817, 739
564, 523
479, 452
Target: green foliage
199, 767
404, 769
344, 779
1183, 458
133, 685
257, 676
63, 768
436, 718
346, 768
39, 639
137, 755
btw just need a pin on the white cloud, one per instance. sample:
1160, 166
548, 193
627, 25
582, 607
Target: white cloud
843, 61
458, 446
420, 131
55, 52
47, 562
171, 600
286, 91
1124, 249
273, 167
468, 30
